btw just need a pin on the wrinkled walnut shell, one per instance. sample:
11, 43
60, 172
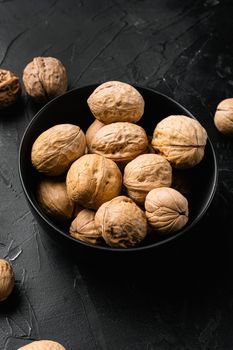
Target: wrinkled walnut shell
7, 279
84, 229
53, 199
120, 142
144, 173
166, 209
181, 140
121, 222
223, 118
56, 148
43, 345
92, 130
93, 180
10, 88
45, 78
115, 101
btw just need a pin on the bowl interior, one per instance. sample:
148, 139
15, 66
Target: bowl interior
72, 108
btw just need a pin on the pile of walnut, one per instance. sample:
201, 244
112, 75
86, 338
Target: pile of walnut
109, 184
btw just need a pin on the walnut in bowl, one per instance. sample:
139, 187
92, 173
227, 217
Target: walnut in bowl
115, 101
57, 148
121, 141
92, 130
181, 140
93, 180
121, 223
83, 227
144, 173
166, 210
53, 199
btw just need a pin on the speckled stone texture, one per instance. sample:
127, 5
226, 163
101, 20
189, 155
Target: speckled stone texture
183, 298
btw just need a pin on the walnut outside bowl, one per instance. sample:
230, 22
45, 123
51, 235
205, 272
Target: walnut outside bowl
72, 108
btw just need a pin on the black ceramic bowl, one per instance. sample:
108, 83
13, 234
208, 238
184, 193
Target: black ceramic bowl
72, 108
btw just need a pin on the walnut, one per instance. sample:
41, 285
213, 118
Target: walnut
121, 222
115, 101
53, 199
121, 141
93, 180
166, 210
223, 118
57, 147
43, 345
181, 140
144, 173
84, 229
92, 130
10, 88
45, 78
7, 279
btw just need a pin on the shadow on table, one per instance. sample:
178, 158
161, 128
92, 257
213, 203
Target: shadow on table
200, 260
198, 263
182, 286
12, 303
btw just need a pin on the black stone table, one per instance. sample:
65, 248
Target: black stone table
183, 298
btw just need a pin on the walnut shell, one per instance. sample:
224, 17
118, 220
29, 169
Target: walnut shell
223, 118
120, 141
93, 180
121, 222
84, 229
45, 78
114, 101
52, 197
43, 345
144, 173
57, 147
7, 279
10, 88
92, 130
166, 210
181, 140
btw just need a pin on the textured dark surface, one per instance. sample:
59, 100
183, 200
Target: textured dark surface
183, 297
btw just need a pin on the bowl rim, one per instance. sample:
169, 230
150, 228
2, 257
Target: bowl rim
150, 246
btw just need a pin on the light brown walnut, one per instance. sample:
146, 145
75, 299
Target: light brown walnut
43, 345
52, 197
7, 279
120, 141
56, 148
84, 229
10, 88
114, 101
223, 118
166, 210
144, 173
92, 130
93, 180
45, 78
181, 140
121, 222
